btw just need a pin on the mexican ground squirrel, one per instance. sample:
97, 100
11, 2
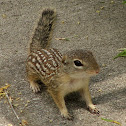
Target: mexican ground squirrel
62, 74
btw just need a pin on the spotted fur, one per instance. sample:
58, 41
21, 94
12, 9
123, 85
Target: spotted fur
46, 62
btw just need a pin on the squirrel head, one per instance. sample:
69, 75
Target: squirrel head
80, 62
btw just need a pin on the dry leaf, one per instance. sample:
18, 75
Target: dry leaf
19, 93
4, 88
4, 15
102, 7
104, 65
9, 125
5, 102
86, 37
28, 101
99, 90
97, 11
17, 99
26, 105
112, 1
24, 122
15, 105
51, 121
2, 94
10, 99
62, 22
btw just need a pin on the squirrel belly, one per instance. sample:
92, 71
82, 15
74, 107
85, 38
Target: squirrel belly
62, 74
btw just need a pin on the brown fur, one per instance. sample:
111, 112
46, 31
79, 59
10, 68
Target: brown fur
42, 33
72, 74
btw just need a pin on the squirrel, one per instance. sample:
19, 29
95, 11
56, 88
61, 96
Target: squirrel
61, 73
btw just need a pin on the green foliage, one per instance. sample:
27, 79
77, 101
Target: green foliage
124, 1
122, 54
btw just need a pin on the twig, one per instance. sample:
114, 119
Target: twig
60, 38
12, 107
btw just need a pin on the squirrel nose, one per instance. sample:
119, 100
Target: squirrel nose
97, 71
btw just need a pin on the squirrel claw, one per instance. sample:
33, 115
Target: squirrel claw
68, 116
35, 88
94, 111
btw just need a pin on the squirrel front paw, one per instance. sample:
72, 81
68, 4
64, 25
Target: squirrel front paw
35, 87
93, 110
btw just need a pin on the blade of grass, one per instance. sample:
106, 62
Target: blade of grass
121, 54
109, 120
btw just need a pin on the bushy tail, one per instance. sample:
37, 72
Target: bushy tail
42, 34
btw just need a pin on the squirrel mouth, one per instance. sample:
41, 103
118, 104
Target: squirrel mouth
93, 72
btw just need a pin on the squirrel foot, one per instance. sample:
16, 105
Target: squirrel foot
93, 110
67, 116
35, 87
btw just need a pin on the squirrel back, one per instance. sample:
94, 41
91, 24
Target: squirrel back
42, 33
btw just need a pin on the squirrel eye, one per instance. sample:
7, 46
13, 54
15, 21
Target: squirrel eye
78, 63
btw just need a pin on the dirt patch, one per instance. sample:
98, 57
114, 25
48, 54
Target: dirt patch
94, 25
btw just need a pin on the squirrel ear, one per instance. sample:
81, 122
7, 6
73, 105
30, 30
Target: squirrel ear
64, 59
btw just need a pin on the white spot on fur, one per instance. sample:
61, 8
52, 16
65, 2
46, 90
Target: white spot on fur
29, 57
33, 60
38, 66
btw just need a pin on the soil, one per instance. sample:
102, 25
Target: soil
99, 26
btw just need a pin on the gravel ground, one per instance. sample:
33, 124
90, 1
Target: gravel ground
99, 26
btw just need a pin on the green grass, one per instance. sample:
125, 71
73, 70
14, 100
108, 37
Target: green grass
121, 54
